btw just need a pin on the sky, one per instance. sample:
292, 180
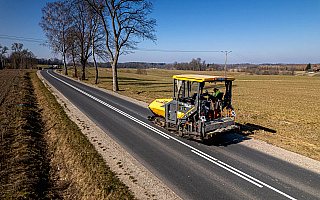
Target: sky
256, 31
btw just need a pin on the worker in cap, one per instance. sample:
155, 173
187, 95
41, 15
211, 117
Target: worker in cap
216, 95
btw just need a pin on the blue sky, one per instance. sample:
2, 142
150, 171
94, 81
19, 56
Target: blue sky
264, 31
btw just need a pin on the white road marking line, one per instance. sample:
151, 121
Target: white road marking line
211, 159
218, 162
226, 168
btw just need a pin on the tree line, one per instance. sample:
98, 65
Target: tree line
279, 69
98, 29
19, 58
50, 61
197, 65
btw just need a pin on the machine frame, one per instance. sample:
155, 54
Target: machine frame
197, 114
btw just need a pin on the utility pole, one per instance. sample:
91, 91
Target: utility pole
225, 63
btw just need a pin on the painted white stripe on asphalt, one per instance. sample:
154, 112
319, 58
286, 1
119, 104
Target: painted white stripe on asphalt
194, 150
228, 169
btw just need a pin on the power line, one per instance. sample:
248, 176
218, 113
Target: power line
233, 54
244, 58
11, 37
179, 51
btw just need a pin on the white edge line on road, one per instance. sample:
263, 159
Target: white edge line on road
211, 159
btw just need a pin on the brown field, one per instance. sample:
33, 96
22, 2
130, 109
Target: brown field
43, 155
281, 110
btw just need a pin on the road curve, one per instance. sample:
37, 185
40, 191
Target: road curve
225, 170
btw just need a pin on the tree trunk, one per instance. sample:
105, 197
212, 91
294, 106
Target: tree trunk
94, 63
75, 71
83, 71
65, 64
75, 67
114, 75
96, 79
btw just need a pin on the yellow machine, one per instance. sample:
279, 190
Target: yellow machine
195, 113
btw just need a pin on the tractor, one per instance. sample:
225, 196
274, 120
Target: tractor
194, 112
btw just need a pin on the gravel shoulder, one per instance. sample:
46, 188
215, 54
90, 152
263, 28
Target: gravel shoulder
141, 181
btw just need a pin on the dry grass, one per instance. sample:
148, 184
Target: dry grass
281, 110
286, 104
24, 166
43, 155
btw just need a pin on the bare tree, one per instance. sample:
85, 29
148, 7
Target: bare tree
198, 65
73, 51
3, 51
85, 24
93, 51
195, 65
73, 54
124, 22
56, 22
28, 60
21, 58
16, 55
98, 48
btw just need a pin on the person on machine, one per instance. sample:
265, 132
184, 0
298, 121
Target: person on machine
216, 99
216, 95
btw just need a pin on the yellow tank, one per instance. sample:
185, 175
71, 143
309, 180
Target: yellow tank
158, 106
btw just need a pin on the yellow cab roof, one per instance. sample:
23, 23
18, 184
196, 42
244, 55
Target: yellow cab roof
202, 78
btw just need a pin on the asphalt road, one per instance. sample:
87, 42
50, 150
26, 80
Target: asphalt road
223, 170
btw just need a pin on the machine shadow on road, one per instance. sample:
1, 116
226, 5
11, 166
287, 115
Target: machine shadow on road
235, 138
226, 140
248, 128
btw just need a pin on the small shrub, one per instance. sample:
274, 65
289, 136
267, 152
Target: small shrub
141, 70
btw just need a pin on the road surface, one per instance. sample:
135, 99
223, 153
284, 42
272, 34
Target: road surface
225, 170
